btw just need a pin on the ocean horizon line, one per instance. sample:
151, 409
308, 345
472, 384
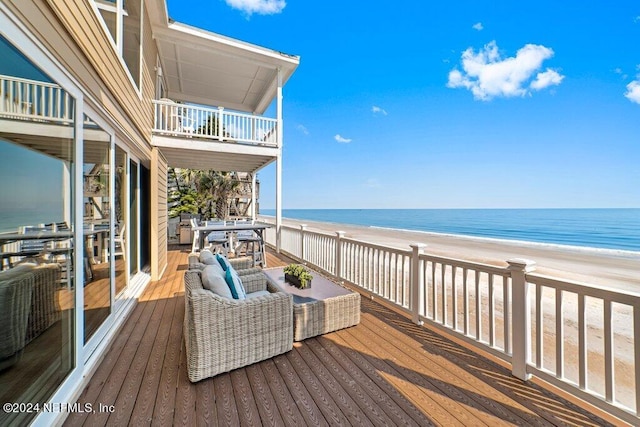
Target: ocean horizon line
574, 248
614, 231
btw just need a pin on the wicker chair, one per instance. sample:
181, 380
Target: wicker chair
28, 307
224, 334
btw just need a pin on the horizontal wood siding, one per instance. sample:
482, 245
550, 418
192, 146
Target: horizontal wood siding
159, 219
148, 82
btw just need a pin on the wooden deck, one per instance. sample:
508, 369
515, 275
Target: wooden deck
385, 371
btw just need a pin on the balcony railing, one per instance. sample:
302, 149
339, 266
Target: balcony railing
217, 124
34, 100
581, 338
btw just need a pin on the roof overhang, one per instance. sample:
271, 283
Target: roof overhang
206, 68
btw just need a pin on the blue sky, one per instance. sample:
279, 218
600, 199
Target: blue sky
467, 104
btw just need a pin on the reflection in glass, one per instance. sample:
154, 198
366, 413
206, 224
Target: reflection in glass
133, 217
110, 20
37, 289
131, 38
121, 222
96, 227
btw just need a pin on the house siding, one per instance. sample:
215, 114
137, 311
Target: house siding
159, 222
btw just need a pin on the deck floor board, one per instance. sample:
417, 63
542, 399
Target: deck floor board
385, 371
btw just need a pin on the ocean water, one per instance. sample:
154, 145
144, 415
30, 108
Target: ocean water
11, 219
617, 229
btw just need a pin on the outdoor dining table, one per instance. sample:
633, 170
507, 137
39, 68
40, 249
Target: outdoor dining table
230, 228
45, 236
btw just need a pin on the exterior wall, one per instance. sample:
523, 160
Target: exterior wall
72, 31
159, 222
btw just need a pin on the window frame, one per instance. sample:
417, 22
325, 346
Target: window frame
117, 7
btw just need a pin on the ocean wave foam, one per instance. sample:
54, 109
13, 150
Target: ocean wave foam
526, 243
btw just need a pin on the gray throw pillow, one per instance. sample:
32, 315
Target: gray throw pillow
213, 280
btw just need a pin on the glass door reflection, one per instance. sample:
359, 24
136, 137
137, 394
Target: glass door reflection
121, 212
96, 227
37, 286
133, 217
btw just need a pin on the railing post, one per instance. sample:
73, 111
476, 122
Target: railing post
417, 288
338, 272
220, 124
521, 312
303, 227
253, 129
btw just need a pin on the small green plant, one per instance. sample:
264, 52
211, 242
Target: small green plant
300, 273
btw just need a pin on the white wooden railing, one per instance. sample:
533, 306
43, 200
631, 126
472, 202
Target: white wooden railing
579, 337
185, 120
34, 100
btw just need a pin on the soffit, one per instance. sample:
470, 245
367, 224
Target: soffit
207, 160
206, 68
192, 153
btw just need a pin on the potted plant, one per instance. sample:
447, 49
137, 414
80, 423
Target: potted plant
298, 276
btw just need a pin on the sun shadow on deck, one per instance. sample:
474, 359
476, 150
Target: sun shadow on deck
454, 372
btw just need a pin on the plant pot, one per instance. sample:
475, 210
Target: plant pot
293, 280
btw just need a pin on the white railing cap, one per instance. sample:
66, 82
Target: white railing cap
418, 245
523, 264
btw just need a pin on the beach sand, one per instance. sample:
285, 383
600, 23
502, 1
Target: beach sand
611, 269
604, 268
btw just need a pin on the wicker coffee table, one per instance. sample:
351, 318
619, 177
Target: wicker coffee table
324, 307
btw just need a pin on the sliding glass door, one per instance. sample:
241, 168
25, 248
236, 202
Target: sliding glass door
37, 251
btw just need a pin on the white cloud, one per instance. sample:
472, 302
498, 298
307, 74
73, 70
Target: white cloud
636, 19
546, 79
377, 110
261, 7
341, 139
477, 26
303, 129
487, 75
621, 73
633, 91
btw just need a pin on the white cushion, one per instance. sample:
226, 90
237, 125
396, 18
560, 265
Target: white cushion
213, 280
257, 294
206, 257
197, 266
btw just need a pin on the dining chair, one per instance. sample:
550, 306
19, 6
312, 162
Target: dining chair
218, 239
118, 241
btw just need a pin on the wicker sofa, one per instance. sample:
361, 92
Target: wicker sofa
223, 334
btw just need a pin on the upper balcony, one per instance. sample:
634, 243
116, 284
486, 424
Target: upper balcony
198, 69
200, 137
189, 121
